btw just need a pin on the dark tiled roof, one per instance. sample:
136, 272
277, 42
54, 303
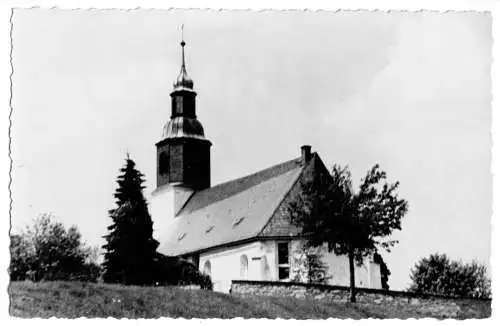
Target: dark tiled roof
230, 212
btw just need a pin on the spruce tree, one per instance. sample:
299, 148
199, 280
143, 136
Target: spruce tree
130, 249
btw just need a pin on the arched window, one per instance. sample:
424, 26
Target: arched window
163, 163
244, 267
207, 268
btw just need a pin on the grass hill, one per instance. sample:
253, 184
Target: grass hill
72, 300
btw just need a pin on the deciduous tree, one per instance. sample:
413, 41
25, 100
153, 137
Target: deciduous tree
47, 251
352, 223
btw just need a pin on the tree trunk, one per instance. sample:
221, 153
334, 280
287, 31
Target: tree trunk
351, 274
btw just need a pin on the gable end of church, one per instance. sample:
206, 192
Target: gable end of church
279, 224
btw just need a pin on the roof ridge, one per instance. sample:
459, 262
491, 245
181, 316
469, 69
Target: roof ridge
257, 172
246, 178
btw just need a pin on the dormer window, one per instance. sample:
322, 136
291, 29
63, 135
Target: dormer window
210, 228
181, 236
238, 221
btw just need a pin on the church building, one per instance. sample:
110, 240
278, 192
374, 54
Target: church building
238, 229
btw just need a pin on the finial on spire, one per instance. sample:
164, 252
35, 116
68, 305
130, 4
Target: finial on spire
182, 45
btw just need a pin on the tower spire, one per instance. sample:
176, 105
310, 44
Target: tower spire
183, 80
183, 153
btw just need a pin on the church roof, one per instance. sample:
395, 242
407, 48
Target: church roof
234, 211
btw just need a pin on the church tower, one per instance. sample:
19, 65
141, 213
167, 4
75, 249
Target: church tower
183, 153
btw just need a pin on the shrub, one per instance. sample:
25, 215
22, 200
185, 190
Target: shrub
175, 271
308, 265
206, 282
438, 274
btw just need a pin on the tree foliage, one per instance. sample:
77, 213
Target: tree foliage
47, 251
440, 275
352, 223
130, 248
309, 266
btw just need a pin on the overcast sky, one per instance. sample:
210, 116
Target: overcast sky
410, 91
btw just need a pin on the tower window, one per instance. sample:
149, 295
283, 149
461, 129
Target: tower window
163, 163
179, 105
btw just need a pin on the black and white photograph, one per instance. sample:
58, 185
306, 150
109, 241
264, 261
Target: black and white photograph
277, 164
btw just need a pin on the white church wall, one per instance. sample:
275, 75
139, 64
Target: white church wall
261, 257
163, 207
226, 264
269, 263
375, 275
366, 275
162, 212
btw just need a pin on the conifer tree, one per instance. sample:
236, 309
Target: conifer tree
130, 250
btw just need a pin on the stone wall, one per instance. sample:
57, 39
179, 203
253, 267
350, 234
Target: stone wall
439, 305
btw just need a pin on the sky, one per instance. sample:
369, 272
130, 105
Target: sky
410, 91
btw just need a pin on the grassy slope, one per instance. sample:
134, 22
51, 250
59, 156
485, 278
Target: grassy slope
71, 300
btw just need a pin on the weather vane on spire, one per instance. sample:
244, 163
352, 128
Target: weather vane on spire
182, 36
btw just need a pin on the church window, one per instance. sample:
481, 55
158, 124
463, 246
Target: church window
283, 261
163, 163
244, 267
207, 268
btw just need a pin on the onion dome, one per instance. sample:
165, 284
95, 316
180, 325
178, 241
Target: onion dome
183, 80
183, 127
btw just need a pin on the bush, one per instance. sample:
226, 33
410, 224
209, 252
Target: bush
175, 271
21, 258
206, 282
47, 251
438, 274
